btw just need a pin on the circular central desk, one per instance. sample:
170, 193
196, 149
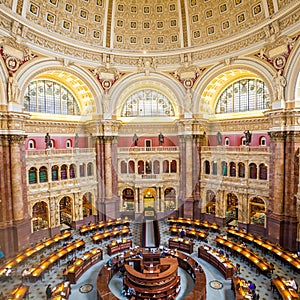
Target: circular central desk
164, 283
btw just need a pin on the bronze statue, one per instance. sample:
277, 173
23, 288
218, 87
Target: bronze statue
48, 141
248, 136
135, 139
161, 138
219, 138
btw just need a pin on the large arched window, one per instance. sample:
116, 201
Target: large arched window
46, 96
244, 95
147, 103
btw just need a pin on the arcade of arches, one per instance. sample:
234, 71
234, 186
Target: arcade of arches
191, 119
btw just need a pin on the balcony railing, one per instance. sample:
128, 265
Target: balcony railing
147, 149
60, 152
240, 149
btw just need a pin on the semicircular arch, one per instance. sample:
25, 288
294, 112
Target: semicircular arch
79, 81
161, 83
215, 80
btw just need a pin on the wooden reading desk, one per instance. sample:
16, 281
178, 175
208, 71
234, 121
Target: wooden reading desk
89, 258
286, 256
100, 225
61, 291
33, 250
19, 292
181, 244
190, 222
184, 261
53, 258
108, 234
259, 262
240, 288
286, 292
223, 264
116, 247
201, 235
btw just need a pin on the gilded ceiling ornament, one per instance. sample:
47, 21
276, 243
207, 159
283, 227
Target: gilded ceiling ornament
146, 65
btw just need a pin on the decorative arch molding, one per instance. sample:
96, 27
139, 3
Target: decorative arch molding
88, 106
162, 83
241, 68
3, 82
292, 73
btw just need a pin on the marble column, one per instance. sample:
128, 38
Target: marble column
284, 173
15, 227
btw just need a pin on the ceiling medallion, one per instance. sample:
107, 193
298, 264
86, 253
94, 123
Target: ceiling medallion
279, 62
12, 63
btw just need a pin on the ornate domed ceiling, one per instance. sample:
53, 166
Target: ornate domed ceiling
125, 30
147, 25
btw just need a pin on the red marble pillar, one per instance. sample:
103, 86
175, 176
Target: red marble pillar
99, 145
283, 177
14, 219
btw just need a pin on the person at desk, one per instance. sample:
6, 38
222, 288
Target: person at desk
182, 233
292, 283
25, 273
8, 273
251, 286
48, 291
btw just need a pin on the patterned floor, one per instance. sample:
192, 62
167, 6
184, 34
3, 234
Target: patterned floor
85, 287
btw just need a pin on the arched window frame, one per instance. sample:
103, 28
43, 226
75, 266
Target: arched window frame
246, 94
31, 144
147, 103
49, 96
